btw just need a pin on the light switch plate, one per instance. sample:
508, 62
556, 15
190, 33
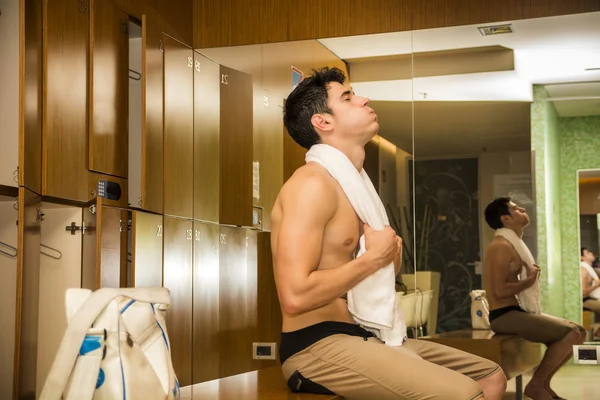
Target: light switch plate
264, 351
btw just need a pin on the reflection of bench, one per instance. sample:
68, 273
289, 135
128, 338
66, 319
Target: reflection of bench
264, 384
516, 356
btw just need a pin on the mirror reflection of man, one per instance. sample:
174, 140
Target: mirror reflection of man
590, 283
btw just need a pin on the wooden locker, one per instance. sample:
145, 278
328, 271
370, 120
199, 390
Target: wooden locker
28, 286
237, 300
152, 109
65, 103
147, 250
179, 129
269, 316
109, 82
206, 302
89, 266
207, 82
30, 150
109, 229
236, 148
268, 151
177, 273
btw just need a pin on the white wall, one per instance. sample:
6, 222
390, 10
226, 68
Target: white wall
8, 295
56, 276
9, 91
135, 123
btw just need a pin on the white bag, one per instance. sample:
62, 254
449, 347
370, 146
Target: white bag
480, 310
115, 347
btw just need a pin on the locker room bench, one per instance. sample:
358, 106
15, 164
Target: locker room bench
264, 384
515, 355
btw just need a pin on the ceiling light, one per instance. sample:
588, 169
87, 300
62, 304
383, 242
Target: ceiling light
593, 69
495, 29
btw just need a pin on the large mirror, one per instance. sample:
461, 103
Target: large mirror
589, 238
494, 105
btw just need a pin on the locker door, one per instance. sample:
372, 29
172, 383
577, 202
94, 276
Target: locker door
28, 288
206, 302
109, 231
147, 250
178, 235
109, 83
207, 80
237, 300
152, 108
236, 148
268, 151
64, 149
179, 129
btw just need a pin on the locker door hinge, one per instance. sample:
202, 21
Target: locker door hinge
74, 228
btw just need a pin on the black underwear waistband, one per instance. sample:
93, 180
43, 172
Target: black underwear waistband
497, 313
296, 341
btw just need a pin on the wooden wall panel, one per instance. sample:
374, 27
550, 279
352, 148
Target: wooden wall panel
152, 108
28, 291
179, 129
268, 150
236, 148
237, 305
177, 276
109, 84
207, 83
371, 164
292, 20
293, 155
268, 308
64, 149
206, 303
147, 250
175, 18
30, 135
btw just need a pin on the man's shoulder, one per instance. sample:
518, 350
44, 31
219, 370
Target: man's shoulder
499, 244
311, 180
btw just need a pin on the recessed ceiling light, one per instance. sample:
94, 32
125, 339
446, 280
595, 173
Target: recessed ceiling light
495, 29
593, 69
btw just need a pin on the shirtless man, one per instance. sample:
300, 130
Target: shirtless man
590, 282
315, 234
501, 268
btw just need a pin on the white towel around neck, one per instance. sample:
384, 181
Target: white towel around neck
529, 299
372, 302
594, 294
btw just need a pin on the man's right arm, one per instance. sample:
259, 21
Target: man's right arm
587, 284
306, 210
499, 257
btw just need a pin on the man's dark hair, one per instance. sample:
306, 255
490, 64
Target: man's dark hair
583, 250
495, 210
307, 99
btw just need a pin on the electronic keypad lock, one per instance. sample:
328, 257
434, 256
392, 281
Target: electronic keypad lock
108, 190
587, 354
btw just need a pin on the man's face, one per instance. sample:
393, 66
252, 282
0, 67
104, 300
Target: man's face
519, 217
352, 117
588, 257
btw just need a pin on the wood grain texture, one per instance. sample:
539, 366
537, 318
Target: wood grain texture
152, 109
147, 246
90, 265
237, 301
268, 150
235, 22
236, 148
30, 134
207, 105
268, 308
178, 129
371, 164
64, 139
206, 357
28, 291
109, 83
178, 278
264, 384
108, 236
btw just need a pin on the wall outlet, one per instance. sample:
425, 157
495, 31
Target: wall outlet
264, 351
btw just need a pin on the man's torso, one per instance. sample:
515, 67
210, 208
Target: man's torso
514, 267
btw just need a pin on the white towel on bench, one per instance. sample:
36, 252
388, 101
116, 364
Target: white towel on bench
529, 299
372, 302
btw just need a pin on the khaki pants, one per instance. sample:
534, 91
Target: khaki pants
355, 368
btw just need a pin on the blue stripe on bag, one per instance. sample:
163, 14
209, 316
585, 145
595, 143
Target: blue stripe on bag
90, 343
127, 306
